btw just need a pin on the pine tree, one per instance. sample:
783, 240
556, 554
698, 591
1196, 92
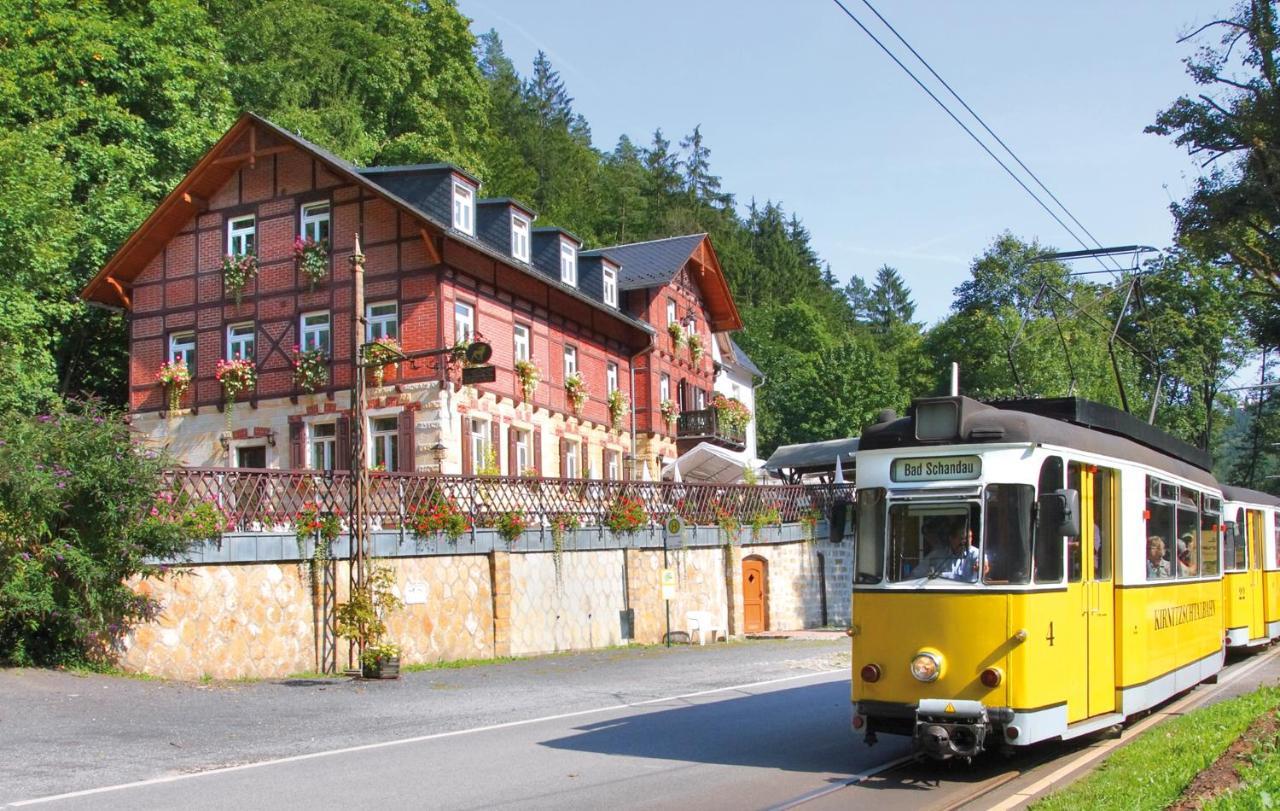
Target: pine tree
890, 302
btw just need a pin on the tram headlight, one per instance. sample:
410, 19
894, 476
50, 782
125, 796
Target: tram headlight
926, 666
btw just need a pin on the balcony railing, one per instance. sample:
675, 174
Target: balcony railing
705, 424
258, 500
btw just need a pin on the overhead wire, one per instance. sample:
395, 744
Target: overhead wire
960, 123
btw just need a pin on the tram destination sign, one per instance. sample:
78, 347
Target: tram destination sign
936, 468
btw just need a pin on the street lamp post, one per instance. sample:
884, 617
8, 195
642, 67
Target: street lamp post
359, 462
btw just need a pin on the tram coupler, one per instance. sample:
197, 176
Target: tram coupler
950, 728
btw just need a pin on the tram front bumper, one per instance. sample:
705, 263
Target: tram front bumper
941, 728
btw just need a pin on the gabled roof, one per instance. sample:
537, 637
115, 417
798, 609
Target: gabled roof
655, 264
564, 232
415, 168
741, 359
110, 285
507, 201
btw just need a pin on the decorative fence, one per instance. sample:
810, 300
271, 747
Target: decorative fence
268, 500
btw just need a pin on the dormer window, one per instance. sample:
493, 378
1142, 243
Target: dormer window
464, 208
240, 236
519, 238
610, 280
568, 263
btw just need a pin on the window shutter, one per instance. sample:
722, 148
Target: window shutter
407, 445
564, 459
495, 442
343, 455
512, 469
465, 433
537, 450
297, 432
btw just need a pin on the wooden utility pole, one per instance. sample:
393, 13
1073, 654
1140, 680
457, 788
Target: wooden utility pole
359, 463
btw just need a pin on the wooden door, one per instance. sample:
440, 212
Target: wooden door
754, 592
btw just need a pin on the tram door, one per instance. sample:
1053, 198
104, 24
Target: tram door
1098, 531
1257, 604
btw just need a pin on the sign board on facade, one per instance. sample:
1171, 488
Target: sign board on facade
415, 594
479, 374
936, 468
668, 584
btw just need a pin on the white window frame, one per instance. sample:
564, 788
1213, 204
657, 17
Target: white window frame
611, 377
238, 341
524, 449
241, 235
383, 323
384, 441
664, 387
570, 360
312, 332
521, 341
464, 321
671, 312
521, 228
314, 221
464, 207
480, 435
613, 464
609, 280
572, 464
568, 263
322, 449
184, 344
699, 399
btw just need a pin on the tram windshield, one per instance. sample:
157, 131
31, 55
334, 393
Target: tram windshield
948, 542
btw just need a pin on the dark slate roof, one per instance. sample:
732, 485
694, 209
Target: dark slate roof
650, 264
814, 457
546, 229
1243, 494
418, 167
741, 359
507, 201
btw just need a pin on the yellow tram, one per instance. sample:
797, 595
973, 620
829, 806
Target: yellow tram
1028, 570
1251, 567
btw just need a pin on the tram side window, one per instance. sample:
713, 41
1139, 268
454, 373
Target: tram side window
1187, 546
870, 535
1276, 519
1048, 548
1007, 543
1075, 560
1104, 521
1210, 518
1235, 556
1160, 535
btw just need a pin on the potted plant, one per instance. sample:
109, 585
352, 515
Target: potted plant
380, 356
312, 259
511, 525
625, 514
617, 408
528, 376
310, 368
362, 619
561, 524
176, 378
732, 415
677, 335
575, 388
235, 375
670, 412
237, 272
694, 342
310, 522
439, 515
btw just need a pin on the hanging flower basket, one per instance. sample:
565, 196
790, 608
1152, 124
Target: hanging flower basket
528, 376
731, 413
176, 377
312, 259
670, 412
237, 272
677, 335
617, 408
575, 388
380, 356
235, 375
310, 368
694, 342
626, 515
511, 525
439, 515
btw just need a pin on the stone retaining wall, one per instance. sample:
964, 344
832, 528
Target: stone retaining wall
255, 618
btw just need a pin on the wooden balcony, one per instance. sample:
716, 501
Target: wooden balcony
704, 425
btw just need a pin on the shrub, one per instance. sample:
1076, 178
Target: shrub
79, 516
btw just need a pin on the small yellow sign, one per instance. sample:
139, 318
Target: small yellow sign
951, 708
668, 584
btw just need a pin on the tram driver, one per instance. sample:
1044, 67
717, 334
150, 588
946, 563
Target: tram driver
957, 560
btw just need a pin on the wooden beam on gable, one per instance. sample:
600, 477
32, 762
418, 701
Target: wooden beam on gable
120, 291
250, 157
433, 250
199, 203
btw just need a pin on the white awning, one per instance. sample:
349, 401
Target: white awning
705, 462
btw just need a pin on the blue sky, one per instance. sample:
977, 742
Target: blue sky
798, 105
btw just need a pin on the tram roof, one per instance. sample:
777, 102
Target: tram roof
1018, 421
1243, 494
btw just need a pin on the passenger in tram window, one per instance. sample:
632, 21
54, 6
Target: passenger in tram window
1186, 566
1157, 566
958, 560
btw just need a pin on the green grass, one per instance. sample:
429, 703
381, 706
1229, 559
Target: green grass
109, 670
310, 675
1260, 781
1152, 771
457, 664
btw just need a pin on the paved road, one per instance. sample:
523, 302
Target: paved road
747, 725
